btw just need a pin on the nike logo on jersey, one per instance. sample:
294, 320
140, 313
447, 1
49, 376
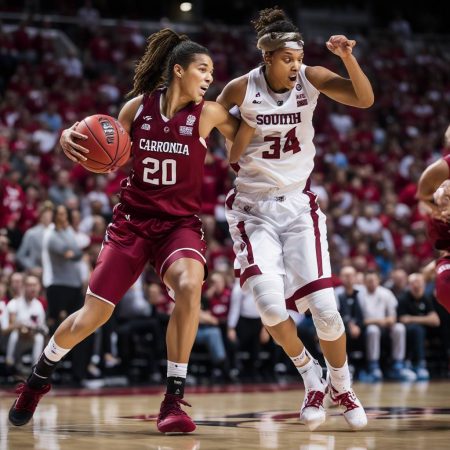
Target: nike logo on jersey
147, 117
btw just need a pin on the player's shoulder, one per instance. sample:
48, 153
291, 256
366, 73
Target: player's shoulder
235, 90
129, 110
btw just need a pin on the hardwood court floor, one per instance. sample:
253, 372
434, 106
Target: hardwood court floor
401, 416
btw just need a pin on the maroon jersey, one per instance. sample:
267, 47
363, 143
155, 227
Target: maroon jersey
439, 231
168, 159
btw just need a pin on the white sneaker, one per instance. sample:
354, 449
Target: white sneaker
312, 413
354, 412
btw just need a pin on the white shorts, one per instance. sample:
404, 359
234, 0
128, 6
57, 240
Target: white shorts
283, 235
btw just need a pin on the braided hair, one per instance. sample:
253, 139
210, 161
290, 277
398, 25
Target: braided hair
164, 49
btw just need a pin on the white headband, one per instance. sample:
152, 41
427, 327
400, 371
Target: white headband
273, 41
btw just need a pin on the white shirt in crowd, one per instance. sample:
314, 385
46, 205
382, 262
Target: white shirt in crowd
241, 304
30, 314
379, 304
4, 318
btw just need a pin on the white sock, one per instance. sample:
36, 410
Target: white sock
54, 352
300, 360
176, 369
340, 377
311, 379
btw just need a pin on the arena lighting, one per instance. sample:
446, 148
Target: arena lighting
185, 6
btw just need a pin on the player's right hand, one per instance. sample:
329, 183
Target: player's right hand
70, 148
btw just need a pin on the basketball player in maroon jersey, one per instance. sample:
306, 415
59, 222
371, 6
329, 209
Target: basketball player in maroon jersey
434, 193
156, 218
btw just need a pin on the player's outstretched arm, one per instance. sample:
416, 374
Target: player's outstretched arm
354, 91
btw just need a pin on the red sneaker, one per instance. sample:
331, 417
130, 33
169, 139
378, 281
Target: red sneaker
172, 419
23, 408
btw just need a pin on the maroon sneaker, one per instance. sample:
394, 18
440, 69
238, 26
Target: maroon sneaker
23, 408
172, 419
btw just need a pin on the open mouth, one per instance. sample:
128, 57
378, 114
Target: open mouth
293, 78
203, 89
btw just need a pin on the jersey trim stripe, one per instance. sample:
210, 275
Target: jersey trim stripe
315, 218
186, 252
249, 272
248, 244
89, 292
307, 289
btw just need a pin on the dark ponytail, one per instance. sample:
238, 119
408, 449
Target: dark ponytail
273, 20
164, 49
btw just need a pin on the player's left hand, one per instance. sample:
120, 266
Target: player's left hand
340, 45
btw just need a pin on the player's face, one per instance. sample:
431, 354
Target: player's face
284, 65
196, 79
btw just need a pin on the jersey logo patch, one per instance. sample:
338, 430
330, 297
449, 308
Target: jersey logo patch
190, 120
145, 126
186, 131
298, 87
257, 102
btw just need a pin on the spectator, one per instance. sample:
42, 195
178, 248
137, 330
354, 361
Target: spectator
397, 283
63, 281
26, 324
16, 285
245, 327
61, 191
416, 311
29, 254
379, 307
350, 309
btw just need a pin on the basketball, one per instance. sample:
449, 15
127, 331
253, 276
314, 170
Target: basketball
108, 143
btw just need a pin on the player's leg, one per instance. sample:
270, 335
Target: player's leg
104, 292
185, 278
180, 262
309, 285
259, 253
443, 282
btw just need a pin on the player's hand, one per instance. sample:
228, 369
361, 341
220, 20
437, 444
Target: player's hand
340, 45
70, 148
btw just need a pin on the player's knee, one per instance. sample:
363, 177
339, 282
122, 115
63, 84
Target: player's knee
443, 288
271, 314
268, 291
329, 325
326, 317
189, 288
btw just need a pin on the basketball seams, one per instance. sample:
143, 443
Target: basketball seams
98, 142
101, 148
118, 140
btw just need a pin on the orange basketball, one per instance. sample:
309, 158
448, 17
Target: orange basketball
108, 143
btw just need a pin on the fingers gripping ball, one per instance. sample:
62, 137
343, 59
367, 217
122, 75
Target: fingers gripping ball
108, 143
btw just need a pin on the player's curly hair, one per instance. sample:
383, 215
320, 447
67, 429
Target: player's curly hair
164, 49
273, 20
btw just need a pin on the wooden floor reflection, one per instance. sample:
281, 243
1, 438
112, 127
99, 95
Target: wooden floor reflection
401, 416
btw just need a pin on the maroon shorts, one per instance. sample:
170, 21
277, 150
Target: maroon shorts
132, 242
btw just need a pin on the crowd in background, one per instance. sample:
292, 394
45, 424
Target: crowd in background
53, 214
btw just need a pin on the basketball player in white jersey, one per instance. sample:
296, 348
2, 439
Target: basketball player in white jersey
278, 230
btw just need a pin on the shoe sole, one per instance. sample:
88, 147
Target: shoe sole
177, 428
14, 421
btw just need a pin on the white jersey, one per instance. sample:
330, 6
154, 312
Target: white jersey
280, 156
